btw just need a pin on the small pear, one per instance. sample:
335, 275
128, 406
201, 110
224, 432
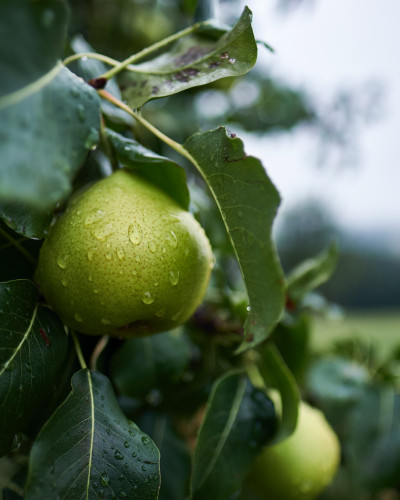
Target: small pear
124, 260
300, 467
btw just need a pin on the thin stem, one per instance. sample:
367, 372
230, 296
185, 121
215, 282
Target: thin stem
91, 55
78, 350
100, 346
18, 246
173, 144
152, 48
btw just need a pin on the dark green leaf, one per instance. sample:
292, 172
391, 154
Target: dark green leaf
175, 460
31, 41
20, 218
248, 202
311, 273
159, 170
193, 60
159, 361
33, 350
89, 449
276, 374
292, 339
239, 420
45, 133
18, 255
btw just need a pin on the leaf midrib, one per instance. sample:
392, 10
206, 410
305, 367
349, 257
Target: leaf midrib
24, 338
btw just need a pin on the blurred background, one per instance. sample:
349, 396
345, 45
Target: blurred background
322, 112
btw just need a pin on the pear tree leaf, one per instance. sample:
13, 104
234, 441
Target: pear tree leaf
193, 60
34, 349
159, 170
311, 273
89, 449
21, 219
248, 203
275, 373
175, 461
32, 39
238, 421
46, 131
159, 360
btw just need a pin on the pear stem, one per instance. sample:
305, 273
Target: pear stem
79, 350
100, 346
170, 142
153, 48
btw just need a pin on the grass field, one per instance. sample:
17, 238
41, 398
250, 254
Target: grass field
380, 328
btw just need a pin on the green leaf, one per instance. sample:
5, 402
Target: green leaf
159, 170
248, 202
238, 421
20, 218
311, 273
31, 41
175, 462
276, 374
159, 360
192, 61
45, 132
33, 350
89, 449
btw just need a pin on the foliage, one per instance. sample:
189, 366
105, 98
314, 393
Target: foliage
181, 414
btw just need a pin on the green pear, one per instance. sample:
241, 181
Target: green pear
300, 467
124, 260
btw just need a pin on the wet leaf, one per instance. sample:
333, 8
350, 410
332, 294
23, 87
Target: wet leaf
248, 202
239, 420
89, 449
193, 60
33, 351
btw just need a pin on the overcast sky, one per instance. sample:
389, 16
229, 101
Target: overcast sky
326, 46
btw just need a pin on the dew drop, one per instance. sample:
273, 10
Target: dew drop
64, 282
133, 454
147, 298
122, 494
144, 468
94, 217
48, 17
62, 261
78, 317
105, 321
90, 277
108, 256
152, 247
104, 479
81, 112
145, 440
186, 252
161, 312
174, 277
248, 308
172, 239
137, 258
120, 253
102, 233
163, 249
155, 283
135, 233
90, 255
92, 138
95, 290
118, 455
126, 444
